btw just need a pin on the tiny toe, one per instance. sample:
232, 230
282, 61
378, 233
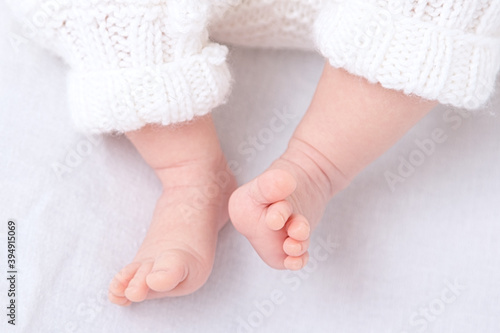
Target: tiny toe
299, 228
277, 214
137, 289
118, 300
168, 271
296, 263
295, 248
121, 280
272, 185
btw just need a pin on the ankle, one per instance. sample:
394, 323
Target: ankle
194, 172
169, 147
323, 173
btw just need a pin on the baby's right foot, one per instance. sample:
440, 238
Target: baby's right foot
177, 254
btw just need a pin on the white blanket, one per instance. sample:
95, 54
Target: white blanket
418, 253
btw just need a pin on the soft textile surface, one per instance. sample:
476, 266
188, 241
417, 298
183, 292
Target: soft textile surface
423, 256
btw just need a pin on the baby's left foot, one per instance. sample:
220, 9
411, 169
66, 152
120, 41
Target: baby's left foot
278, 210
349, 123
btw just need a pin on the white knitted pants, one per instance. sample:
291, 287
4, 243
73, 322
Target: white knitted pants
268, 24
137, 62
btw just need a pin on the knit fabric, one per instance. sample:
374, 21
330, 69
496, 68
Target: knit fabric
135, 62
268, 24
438, 49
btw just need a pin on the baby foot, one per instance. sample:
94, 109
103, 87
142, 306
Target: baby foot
177, 254
349, 124
278, 210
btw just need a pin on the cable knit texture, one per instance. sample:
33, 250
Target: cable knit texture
440, 50
268, 23
135, 62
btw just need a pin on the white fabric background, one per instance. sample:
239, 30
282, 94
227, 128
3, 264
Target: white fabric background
395, 253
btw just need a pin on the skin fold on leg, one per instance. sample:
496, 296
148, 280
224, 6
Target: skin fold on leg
348, 125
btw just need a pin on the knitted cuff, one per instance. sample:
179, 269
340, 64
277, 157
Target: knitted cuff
136, 62
448, 54
123, 100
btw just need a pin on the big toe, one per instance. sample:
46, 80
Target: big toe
272, 186
248, 202
120, 283
169, 269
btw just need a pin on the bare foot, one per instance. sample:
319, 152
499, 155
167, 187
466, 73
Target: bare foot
177, 254
350, 123
278, 210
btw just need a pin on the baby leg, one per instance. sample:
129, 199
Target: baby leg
177, 255
349, 123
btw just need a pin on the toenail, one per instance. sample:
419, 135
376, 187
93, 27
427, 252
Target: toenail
277, 216
116, 285
295, 265
296, 247
304, 228
280, 217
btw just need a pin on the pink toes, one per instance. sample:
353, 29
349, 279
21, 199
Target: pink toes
299, 228
119, 284
266, 192
295, 248
297, 243
296, 263
262, 211
141, 280
122, 279
123, 301
137, 289
278, 214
